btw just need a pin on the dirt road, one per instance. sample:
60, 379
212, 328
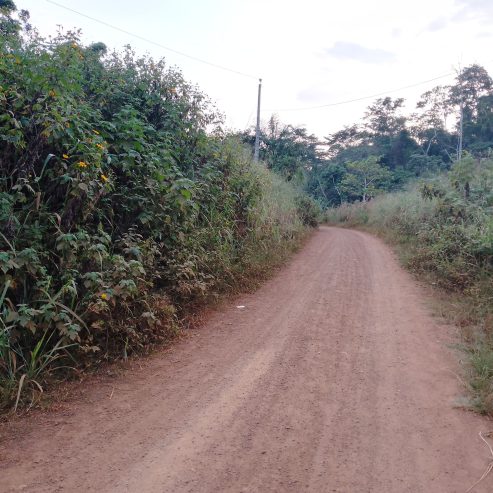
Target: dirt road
333, 378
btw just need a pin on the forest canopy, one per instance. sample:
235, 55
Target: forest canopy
447, 121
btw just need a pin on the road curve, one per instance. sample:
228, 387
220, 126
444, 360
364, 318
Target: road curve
333, 378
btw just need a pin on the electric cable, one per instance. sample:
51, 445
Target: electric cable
338, 103
150, 41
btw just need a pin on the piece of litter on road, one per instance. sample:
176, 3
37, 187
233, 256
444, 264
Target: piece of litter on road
240, 306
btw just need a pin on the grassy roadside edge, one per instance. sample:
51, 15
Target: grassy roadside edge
469, 311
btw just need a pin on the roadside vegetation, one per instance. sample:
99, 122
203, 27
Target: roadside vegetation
122, 204
443, 229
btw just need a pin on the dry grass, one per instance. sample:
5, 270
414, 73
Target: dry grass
463, 287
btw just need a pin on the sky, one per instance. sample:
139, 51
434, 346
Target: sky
309, 53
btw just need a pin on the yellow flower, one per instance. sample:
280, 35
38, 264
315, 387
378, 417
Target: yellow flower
82, 164
104, 296
96, 132
52, 93
65, 156
104, 178
100, 146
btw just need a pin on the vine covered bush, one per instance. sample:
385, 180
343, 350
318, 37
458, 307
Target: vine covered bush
120, 201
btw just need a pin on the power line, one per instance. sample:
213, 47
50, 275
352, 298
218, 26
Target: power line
338, 103
150, 41
221, 67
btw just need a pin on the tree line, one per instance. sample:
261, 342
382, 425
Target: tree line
386, 148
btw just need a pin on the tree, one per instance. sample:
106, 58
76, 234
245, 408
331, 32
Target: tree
324, 183
402, 147
387, 133
435, 106
383, 119
483, 129
10, 26
291, 151
7, 7
471, 83
429, 127
349, 137
365, 178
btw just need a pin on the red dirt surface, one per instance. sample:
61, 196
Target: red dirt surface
333, 378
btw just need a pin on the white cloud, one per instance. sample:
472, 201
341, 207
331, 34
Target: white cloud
438, 24
344, 50
314, 95
481, 10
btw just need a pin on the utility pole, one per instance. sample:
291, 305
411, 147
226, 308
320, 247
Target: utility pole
461, 119
461, 130
257, 129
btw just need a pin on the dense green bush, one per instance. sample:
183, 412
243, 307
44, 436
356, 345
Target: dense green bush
120, 201
309, 210
446, 229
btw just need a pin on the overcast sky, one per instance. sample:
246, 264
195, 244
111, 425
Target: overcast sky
308, 53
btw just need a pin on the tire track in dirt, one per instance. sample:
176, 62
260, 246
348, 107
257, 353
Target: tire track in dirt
334, 378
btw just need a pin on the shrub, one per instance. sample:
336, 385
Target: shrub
309, 210
121, 200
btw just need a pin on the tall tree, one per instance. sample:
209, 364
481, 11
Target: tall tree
365, 178
324, 183
12, 20
429, 126
471, 83
383, 118
435, 107
484, 124
349, 137
387, 132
